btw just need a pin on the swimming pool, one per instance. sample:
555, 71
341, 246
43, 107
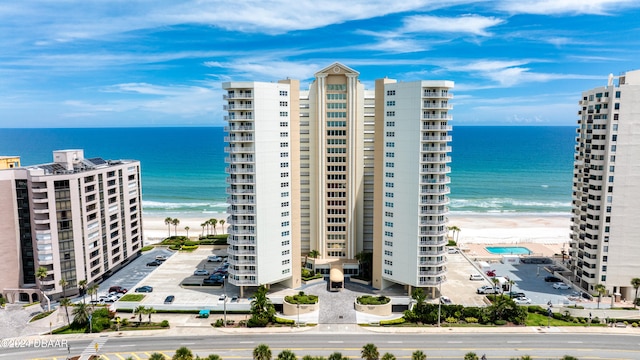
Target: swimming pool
508, 250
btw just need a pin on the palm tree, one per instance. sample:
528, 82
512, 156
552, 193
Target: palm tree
262, 308
92, 290
286, 355
203, 225
82, 285
635, 282
262, 352
388, 356
42, 274
63, 283
187, 229
140, 310
175, 223
600, 289
80, 314
370, 352
470, 356
150, 310
221, 221
156, 356
214, 223
453, 229
168, 221
66, 303
336, 356
418, 355
183, 353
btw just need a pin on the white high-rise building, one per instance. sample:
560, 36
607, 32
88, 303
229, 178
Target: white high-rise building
606, 201
78, 218
336, 172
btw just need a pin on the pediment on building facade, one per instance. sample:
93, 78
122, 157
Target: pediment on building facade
337, 68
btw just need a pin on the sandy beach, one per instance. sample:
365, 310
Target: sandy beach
474, 229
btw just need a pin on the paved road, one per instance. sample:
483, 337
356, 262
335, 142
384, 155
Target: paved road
437, 345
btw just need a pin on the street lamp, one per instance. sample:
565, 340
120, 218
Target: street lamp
439, 300
224, 287
298, 306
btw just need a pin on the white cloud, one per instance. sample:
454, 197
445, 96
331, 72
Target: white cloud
470, 24
572, 7
267, 69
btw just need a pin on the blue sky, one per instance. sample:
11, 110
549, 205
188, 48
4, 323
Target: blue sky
100, 63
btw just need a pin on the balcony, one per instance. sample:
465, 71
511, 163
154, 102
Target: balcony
241, 211
433, 262
434, 212
241, 222
238, 107
437, 127
240, 181
231, 251
437, 94
238, 128
442, 241
235, 160
40, 200
437, 117
433, 233
434, 201
244, 282
238, 117
438, 170
238, 96
238, 149
242, 262
230, 170
240, 201
436, 149
230, 191
433, 272
445, 159
37, 190
434, 222
444, 191
442, 180
432, 253
432, 282
429, 105
238, 139
436, 138
242, 241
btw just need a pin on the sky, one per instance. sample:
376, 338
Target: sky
128, 63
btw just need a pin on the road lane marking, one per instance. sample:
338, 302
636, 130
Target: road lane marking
336, 342
454, 342
514, 342
245, 342
394, 342
574, 342
127, 345
187, 343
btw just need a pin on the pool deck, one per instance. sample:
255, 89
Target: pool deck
479, 251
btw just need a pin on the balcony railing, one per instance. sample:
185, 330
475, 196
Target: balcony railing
436, 138
438, 170
437, 127
238, 128
238, 96
238, 117
238, 139
240, 181
444, 191
236, 149
437, 94
238, 107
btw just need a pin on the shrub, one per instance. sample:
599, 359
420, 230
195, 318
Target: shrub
174, 247
558, 316
634, 324
451, 320
164, 323
471, 320
500, 322
392, 321
284, 321
219, 323
147, 248
373, 300
189, 247
596, 320
301, 298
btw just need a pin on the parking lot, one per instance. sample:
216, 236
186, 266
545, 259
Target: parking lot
458, 287
530, 279
175, 276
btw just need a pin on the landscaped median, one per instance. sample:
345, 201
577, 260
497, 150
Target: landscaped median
299, 304
374, 305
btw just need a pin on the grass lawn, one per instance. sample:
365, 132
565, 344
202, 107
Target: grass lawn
543, 320
132, 297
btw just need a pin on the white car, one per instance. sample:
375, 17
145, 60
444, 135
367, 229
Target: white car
561, 286
445, 300
522, 300
476, 277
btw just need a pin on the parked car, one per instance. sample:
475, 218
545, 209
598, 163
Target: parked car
561, 286
445, 300
161, 258
491, 273
200, 272
214, 258
104, 299
452, 250
154, 263
234, 298
213, 282
476, 277
117, 289
489, 290
552, 279
522, 300
222, 297
114, 296
169, 299
516, 294
144, 289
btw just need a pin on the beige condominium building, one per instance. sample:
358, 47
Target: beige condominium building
323, 177
79, 218
606, 201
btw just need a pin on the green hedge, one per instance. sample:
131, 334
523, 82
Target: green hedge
132, 297
301, 298
392, 321
373, 300
278, 320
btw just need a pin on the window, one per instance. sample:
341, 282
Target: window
390, 154
284, 164
616, 106
284, 174
284, 134
389, 174
391, 113
391, 103
388, 184
284, 194
391, 123
388, 224
284, 124
284, 103
285, 233
614, 137
389, 164
388, 194
391, 134
391, 92
388, 204
390, 144
617, 94
388, 214
284, 204
284, 184
388, 233
284, 213
284, 154
284, 144
284, 93
284, 113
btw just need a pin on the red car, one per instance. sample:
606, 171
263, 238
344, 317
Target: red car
491, 273
118, 289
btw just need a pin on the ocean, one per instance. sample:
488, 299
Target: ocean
495, 170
